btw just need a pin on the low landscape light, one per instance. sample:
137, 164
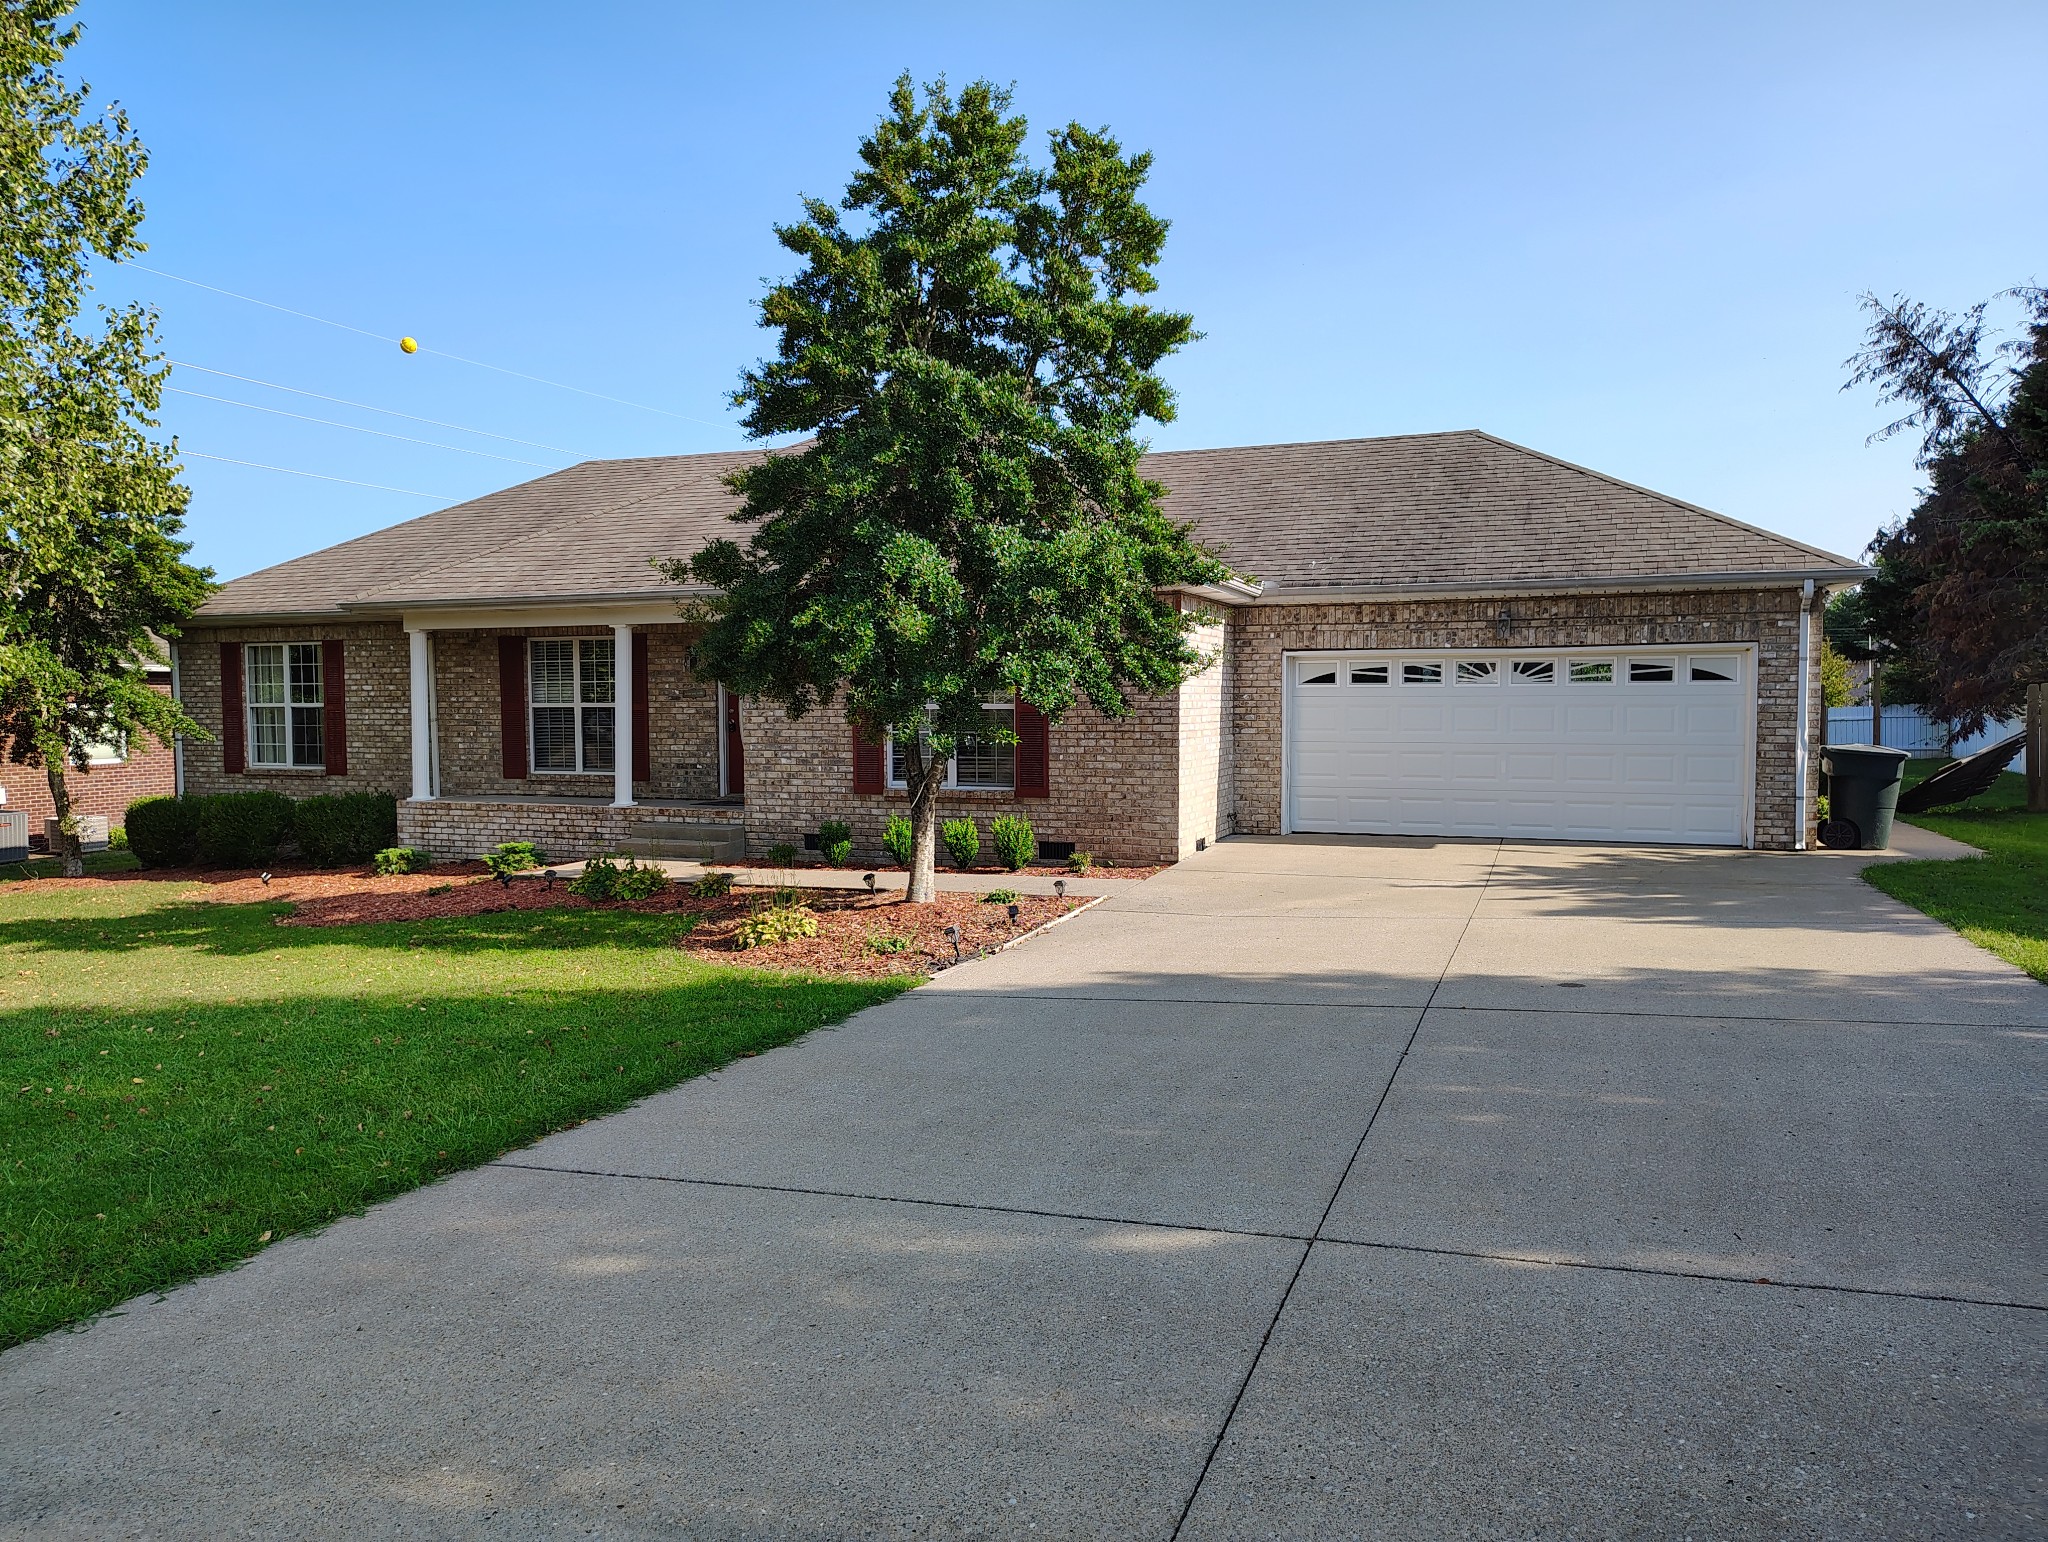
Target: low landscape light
266, 879
550, 876
953, 936
1013, 915
1059, 887
869, 880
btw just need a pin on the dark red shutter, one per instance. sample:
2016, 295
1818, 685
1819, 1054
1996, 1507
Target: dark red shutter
334, 693
867, 763
512, 705
1034, 752
232, 717
643, 753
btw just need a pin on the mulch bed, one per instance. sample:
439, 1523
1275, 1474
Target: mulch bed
849, 924
1036, 870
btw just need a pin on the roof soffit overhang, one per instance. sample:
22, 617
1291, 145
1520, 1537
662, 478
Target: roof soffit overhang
1351, 594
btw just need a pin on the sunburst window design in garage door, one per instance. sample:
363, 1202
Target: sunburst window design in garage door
1653, 745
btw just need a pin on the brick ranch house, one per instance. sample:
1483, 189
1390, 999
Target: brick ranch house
1438, 634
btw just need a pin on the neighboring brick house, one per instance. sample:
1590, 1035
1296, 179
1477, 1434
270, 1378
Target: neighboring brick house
118, 774
1435, 634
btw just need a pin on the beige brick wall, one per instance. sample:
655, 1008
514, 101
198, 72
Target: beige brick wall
1768, 618
378, 667
1113, 784
566, 832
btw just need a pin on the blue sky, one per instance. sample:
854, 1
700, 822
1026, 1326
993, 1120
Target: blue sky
1631, 236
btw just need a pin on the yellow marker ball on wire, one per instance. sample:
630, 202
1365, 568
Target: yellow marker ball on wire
410, 345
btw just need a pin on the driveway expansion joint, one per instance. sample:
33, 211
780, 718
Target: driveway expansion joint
1336, 1189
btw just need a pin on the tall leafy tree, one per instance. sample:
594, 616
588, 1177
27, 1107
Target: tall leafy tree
92, 569
1960, 596
968, 347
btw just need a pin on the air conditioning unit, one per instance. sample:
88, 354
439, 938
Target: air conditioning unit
92, 832
13, 837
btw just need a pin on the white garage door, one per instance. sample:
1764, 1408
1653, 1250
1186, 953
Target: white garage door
1651, 746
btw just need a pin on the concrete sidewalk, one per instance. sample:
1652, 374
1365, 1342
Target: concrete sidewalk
1317, 1187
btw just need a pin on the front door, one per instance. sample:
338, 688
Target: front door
734, 760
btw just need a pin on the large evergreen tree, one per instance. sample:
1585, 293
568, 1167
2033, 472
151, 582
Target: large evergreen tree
968, 348
1960, 596
90, 507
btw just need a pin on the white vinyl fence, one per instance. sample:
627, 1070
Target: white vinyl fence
1911, 729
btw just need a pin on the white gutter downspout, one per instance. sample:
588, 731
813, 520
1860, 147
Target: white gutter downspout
1805, 709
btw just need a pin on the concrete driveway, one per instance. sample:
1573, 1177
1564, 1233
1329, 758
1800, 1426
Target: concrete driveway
1316, 1188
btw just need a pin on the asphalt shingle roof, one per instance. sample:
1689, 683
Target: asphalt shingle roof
1417, 511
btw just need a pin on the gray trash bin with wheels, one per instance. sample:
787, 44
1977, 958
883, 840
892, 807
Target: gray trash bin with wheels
1863, 792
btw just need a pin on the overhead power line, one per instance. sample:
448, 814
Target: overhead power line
357, 428
317, 475
389, 412
452, 357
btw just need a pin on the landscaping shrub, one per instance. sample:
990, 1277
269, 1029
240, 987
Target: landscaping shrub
963, 841
782, 854
604, 879
1016, 843
1001, 897
888, 942
1080, 862
162, 831
394, 860
835, 842
778, 923
898, 837
513, 857
345, 827
241, 829
712, 886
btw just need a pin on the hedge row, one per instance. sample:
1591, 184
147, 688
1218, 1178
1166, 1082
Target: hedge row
245, 829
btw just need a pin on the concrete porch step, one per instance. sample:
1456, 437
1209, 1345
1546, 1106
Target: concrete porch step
694, 840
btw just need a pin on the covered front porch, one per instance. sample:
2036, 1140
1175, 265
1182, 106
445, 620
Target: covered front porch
581, 729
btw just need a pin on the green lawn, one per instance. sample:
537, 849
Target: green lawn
187, 1081
2000, 900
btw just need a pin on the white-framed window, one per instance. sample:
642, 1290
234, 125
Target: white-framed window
1430, 673
286, 705
1723, 668
986, 761
1592, 671
572, 696
1478, 671
1535, 671
106, 752
1368, 674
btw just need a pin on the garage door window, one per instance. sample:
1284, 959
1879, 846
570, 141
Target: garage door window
1478, 672
1649, 671
1369, 674
1715, 669
1535, 671
1592, 671
1313, 676
1422, 674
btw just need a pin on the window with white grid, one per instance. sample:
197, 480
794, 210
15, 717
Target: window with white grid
572, 691
286, 704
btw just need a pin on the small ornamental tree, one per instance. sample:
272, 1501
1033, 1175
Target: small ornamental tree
90, 508
968, 346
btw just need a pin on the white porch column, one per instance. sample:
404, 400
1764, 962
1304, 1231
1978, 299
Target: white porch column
422, 716
622, 717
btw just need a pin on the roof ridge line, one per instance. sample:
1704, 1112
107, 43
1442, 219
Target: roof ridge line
1651, 492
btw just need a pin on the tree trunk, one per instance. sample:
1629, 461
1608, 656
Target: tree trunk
69, 847
922, 886
2037, 749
